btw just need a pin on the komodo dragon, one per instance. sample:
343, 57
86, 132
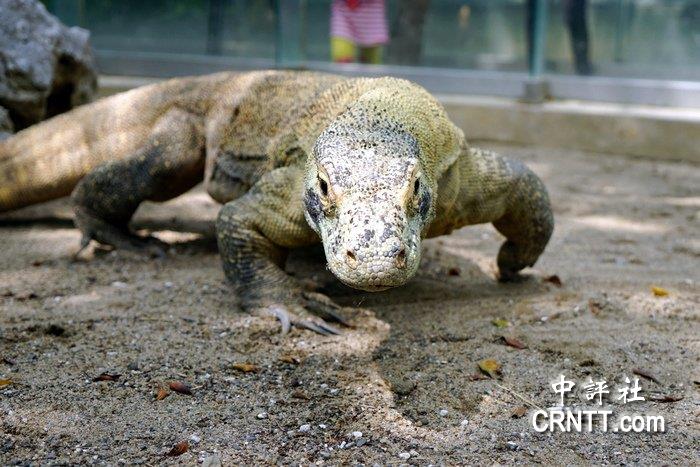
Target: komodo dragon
368, 166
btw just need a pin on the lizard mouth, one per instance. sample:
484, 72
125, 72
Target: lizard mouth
377, 287
369, 287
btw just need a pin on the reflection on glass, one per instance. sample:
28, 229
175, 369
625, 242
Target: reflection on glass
619, 38
358, 31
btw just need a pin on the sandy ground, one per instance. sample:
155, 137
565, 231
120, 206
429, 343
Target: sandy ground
404, 385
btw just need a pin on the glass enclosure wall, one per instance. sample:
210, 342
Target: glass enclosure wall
625, 38
525, 40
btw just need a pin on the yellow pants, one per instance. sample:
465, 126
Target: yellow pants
345, 51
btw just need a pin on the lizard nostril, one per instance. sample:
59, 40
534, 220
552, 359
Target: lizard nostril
350, 258
401, 259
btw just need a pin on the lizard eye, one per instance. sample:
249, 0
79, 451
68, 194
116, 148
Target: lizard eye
416, 187
323, 185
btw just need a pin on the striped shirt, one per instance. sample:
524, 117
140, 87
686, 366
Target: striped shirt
360, 21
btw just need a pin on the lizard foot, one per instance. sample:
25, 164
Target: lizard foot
313, 313
148, 245
506, 276
121, 238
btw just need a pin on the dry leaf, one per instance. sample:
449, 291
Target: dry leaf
106, 377
659, 291
518, 412
490, 367
554, 279
245, 367
594, 307
500, 323
179, 449
5, 382
162, 394
290, 359
180, 387
645, 374
665, 398
513, 342
300, 395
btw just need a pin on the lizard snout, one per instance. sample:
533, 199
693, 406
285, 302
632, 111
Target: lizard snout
373, 243
373, 264
398, 255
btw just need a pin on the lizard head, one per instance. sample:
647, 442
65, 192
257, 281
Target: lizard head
368, 198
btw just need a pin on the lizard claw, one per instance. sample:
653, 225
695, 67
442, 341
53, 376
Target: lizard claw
282, 315
324, 307
317, 303
322, 328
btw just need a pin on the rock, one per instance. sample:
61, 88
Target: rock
45, 67
212, 461
400, 385
6, 126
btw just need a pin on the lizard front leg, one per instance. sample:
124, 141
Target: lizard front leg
483, 186
254, 234
170, 162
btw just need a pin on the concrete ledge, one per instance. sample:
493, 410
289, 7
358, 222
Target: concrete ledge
653, 132
668, 133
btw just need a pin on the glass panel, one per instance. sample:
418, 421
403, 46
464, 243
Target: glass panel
152, 26
248, 28
626, 38
617, 38
481, 34
213, 27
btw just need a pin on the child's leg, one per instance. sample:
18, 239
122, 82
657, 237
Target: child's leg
372, 55
342, 50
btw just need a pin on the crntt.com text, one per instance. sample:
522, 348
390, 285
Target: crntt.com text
577, 421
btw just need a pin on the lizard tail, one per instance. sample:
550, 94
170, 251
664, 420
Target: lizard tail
42, 162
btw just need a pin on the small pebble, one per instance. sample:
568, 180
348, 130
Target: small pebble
168, 285
304, 428
322, 426
119, 284
405, 455
262, 415
357, 434
443, 412
212, 461
464, 423
194, 438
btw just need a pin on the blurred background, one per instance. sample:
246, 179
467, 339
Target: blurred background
627, 51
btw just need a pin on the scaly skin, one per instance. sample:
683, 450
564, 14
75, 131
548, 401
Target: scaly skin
368, 167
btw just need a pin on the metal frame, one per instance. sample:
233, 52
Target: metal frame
515, 85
